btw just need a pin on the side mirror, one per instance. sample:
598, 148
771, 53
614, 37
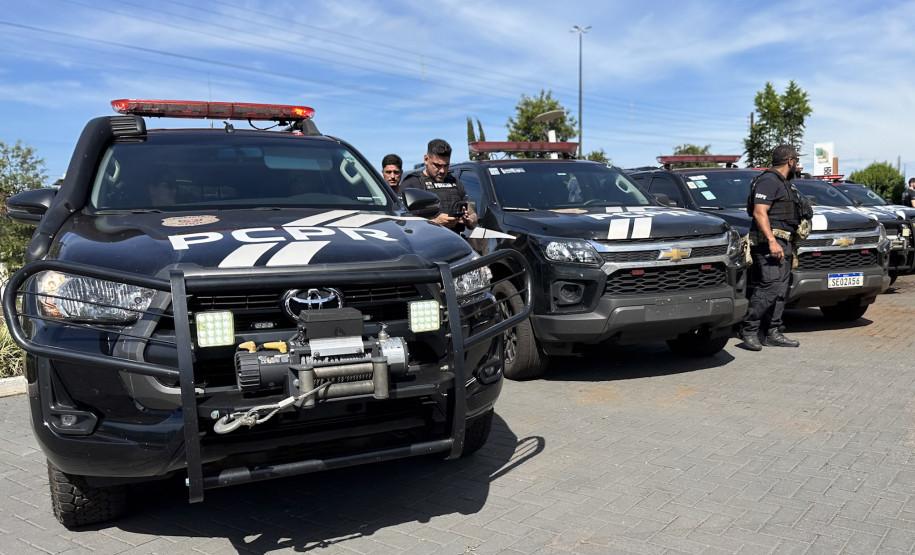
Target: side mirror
663, 199
29, 206
421, 203
812, 199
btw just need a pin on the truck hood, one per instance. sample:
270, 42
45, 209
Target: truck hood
615, 223
889, 211
151, 242
825, 218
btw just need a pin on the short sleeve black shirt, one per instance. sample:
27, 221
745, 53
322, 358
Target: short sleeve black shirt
771, 190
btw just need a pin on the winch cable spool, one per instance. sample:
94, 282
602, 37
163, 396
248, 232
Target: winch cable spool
250, 418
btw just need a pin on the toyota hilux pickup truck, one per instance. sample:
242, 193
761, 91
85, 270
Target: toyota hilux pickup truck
842, 265
609, 263
231, 305
898, 230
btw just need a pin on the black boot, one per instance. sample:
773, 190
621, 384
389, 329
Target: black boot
751, 341
776, 339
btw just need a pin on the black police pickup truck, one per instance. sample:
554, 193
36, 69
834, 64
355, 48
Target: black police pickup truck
238, 305
608, 261
901, 232
898, 230
842, 264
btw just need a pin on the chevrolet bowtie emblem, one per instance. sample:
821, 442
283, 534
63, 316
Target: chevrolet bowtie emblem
843, 241
675, 254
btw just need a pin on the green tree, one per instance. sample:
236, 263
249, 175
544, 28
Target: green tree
883, 178
688, 148
481, 134
780, 119
471, 137
522, 126
598, 156
20, 169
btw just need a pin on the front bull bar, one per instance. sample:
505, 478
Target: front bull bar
179, 285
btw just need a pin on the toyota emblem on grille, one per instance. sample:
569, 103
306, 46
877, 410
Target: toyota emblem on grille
316, 298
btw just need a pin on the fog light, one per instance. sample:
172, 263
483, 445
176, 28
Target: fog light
215, 329
567, 293
68, 420
424, 316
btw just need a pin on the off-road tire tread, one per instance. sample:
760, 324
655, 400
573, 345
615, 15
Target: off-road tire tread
476, 433
76, 503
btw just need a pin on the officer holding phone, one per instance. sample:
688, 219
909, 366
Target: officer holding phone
456, 212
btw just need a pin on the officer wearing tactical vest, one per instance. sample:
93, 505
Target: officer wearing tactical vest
776, 208
435, 177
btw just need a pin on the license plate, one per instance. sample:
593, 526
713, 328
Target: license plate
848, 279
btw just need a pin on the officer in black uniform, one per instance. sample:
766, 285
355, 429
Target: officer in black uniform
908, 194
775, 205
435, 177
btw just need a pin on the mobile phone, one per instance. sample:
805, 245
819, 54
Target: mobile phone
458, 209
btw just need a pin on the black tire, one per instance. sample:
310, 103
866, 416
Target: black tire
697, 343
847, 311
523, 358
476, 433
76, 503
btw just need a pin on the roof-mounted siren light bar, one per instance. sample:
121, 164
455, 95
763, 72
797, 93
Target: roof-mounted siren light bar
729, 160
835, 178
212, 110
478, 147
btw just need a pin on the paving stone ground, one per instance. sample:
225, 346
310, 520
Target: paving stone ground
627, 450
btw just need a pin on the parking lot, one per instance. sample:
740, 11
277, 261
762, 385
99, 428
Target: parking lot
627, 450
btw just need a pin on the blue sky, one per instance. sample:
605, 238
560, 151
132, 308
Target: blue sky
388, 76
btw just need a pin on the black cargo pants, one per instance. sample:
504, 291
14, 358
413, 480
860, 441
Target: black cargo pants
769, 281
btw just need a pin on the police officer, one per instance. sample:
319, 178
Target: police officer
391, 170
908, 194
775, 206
435, 177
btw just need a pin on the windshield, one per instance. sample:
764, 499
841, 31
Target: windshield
196, 171
551, 186
862, 194
823, 195
720, 189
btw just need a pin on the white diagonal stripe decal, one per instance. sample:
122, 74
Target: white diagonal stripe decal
319, 219
619, 229
819, 222
246, 255
483, 233
298, 253
359, 220
641, 228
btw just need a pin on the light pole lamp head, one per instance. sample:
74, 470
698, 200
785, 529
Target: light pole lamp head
579, 29
548, 117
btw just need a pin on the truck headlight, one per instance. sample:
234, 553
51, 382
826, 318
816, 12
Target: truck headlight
425, 316
84, 299
472, 281
569, 250
734, 247
883, 244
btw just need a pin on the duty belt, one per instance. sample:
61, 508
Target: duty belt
780, 233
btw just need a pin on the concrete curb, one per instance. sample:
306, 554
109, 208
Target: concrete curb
12, 386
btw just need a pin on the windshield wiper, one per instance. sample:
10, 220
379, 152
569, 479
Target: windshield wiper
711, 207
517, 209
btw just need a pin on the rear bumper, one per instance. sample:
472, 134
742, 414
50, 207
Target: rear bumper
809, 287
644, 317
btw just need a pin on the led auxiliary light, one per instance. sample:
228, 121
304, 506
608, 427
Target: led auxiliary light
215, 329
425, 316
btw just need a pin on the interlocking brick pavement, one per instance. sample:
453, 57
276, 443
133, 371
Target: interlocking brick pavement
629, 450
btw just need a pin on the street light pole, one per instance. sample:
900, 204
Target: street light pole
581, 31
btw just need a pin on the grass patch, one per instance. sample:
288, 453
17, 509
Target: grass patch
11, 356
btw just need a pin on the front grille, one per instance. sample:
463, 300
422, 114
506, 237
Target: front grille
835, 260
677, 239
646, 256
666, 280
827, 242
381, 302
